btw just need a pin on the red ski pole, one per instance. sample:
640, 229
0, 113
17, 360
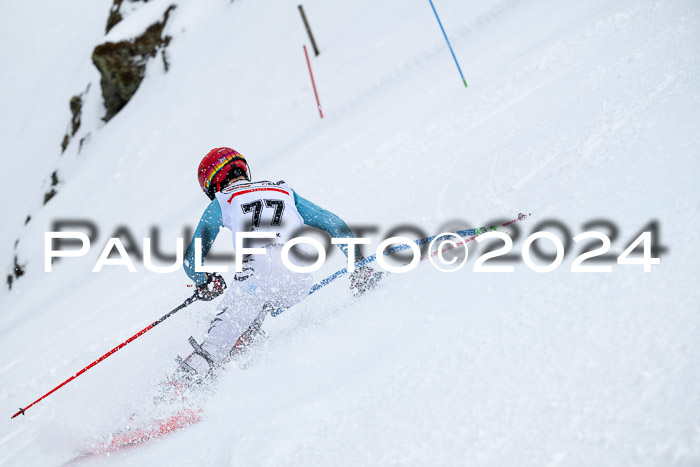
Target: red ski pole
187, 302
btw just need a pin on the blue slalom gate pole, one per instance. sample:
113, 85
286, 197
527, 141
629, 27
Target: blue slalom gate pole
448, 43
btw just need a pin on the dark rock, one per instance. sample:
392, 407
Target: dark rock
82, 141
114, 15
19, 269
64, 143
76, 106
166, 65
121, 74
48, 195
51, 193
123, 64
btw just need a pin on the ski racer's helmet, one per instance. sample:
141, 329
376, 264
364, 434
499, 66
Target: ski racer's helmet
220, 166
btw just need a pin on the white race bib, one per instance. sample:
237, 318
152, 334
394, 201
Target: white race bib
260, 207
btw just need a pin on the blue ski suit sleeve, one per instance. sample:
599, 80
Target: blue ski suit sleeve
208, 228
317, 217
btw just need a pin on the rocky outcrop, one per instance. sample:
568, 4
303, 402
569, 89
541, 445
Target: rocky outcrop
64, 143
52, 192
76, 107
123, 64
115, 15
17, 272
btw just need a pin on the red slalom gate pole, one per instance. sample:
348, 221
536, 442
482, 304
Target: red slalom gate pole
313, 83
187, 302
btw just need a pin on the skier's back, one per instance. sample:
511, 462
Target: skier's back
264, 283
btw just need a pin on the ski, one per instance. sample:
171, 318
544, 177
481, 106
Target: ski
172, 392
133, 437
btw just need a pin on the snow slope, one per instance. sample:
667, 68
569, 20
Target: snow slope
573, 112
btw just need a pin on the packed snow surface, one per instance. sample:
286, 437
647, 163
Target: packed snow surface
575, 111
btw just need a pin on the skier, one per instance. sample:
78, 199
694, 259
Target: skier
264, 284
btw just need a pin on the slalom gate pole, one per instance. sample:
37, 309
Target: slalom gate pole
448, 43
313, 83
470, 235
308, 29
187, 302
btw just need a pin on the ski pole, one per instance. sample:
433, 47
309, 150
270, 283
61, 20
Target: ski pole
187, 302
471, 234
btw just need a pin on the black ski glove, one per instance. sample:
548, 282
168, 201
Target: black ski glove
364, 279
211, 289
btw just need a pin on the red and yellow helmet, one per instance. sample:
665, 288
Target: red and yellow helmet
218, 167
